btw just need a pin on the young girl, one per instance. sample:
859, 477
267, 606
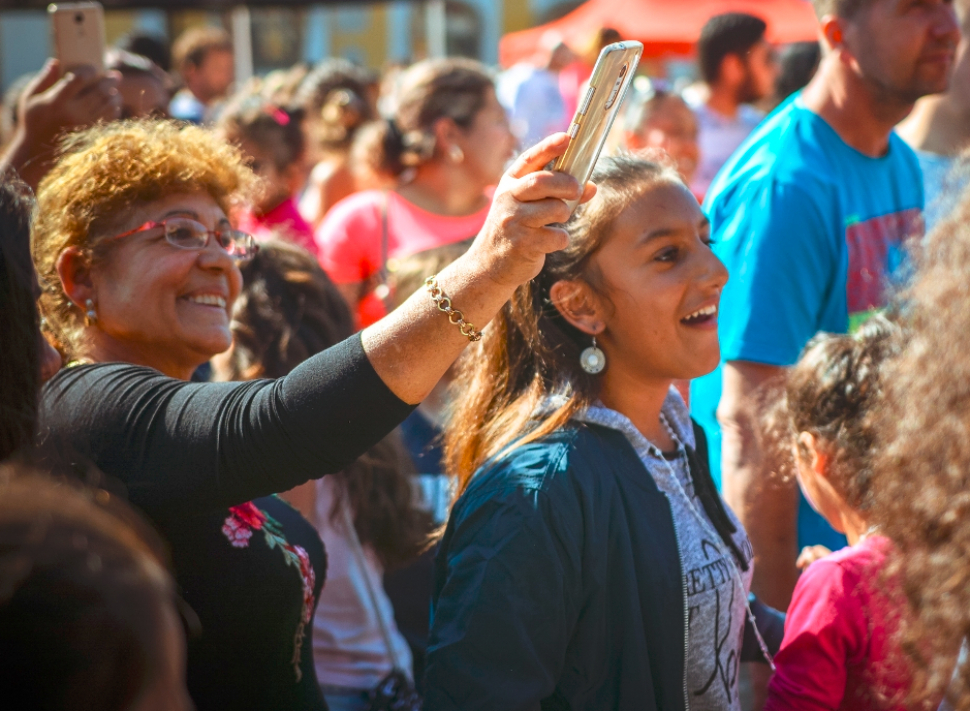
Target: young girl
271, 136
589, 561
838, 651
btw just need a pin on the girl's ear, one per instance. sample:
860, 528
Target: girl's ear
816, 456
578, 305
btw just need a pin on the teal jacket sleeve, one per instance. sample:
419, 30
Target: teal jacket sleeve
508, 591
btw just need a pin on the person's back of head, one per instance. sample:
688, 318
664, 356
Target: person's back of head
204, 58
87, 611
145, 88
334, 96
797, 65
153, 48
831, 394
732, 33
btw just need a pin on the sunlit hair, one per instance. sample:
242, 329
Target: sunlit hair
274, 129
288, 311
831, 392
454, 88
83, 597
922, 473
530, 351
103, 173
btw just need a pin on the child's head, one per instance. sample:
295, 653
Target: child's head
829, 396
272, 137
638, 275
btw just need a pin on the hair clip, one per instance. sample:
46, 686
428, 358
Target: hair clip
279, 115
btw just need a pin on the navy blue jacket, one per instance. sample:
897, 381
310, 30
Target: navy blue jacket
558, 585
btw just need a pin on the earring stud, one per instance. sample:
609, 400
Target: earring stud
91, 315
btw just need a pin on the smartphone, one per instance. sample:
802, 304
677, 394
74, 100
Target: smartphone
612, 76
77, 29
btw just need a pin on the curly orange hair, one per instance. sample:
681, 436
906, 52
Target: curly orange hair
103, 173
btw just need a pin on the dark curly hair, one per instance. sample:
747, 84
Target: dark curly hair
830, 394
288, 311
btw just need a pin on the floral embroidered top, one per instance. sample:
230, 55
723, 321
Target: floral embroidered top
253, 574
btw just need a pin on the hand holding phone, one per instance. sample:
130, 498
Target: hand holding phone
597, 110
78, 33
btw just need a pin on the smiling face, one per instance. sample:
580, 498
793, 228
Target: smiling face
160, 305
661, 288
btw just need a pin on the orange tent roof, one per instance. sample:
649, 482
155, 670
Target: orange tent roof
666, 27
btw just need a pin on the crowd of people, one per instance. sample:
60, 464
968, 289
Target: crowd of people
315, 393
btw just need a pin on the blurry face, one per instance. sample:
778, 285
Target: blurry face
904, 48
275, 185
218, 72
761, 64
142, 95
159, 304
672, 128
488, 143
663, 287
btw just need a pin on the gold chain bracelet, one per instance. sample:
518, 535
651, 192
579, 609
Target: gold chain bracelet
443, 302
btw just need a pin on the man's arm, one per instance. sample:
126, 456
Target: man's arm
766, 503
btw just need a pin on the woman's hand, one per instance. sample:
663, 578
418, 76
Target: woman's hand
413, 346
520, 229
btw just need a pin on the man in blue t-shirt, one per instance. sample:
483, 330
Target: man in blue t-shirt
809, 216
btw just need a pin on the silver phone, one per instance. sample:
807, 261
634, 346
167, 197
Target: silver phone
590, 127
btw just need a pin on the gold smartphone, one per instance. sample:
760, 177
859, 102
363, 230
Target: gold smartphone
78, 33
612, 75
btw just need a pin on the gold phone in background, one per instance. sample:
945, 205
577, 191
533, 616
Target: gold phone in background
77, 29
612, 75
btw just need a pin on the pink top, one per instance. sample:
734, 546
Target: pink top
349, 239
283, 221
837, 652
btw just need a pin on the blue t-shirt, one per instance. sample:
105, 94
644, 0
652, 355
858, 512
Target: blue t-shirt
810, 230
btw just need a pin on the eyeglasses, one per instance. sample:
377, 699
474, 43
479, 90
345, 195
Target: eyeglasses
186, 233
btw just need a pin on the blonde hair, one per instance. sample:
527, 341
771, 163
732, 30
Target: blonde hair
103, 173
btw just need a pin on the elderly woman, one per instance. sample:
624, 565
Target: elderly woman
140, 267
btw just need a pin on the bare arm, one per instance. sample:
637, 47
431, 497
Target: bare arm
415, 345
766, 504
51, 106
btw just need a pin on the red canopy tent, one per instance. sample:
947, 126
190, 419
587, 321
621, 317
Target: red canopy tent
666, 27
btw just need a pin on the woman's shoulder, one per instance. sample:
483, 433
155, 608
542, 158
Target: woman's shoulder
558, 464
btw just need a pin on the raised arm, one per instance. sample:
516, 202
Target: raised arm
415, 345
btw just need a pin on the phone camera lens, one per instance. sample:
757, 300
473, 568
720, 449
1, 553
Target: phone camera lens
79, 18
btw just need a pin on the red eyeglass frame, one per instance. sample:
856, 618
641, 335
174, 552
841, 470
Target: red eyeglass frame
152, 224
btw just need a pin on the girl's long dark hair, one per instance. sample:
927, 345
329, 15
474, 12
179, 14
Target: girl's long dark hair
529, 351
19, 327
290, 310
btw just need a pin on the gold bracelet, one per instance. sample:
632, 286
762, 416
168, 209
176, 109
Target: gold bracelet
443, 302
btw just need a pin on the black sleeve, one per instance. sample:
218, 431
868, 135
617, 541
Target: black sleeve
197, 446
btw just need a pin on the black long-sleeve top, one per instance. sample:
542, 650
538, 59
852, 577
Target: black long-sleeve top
193, 456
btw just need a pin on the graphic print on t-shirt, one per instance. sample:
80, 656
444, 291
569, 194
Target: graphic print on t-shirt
875, 251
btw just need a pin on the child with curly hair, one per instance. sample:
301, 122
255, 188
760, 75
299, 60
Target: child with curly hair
839, 650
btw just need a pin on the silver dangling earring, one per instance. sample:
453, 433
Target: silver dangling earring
456, 154
91, 315
593, 360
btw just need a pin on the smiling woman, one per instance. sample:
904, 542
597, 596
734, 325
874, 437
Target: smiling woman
140, 271
590, 562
